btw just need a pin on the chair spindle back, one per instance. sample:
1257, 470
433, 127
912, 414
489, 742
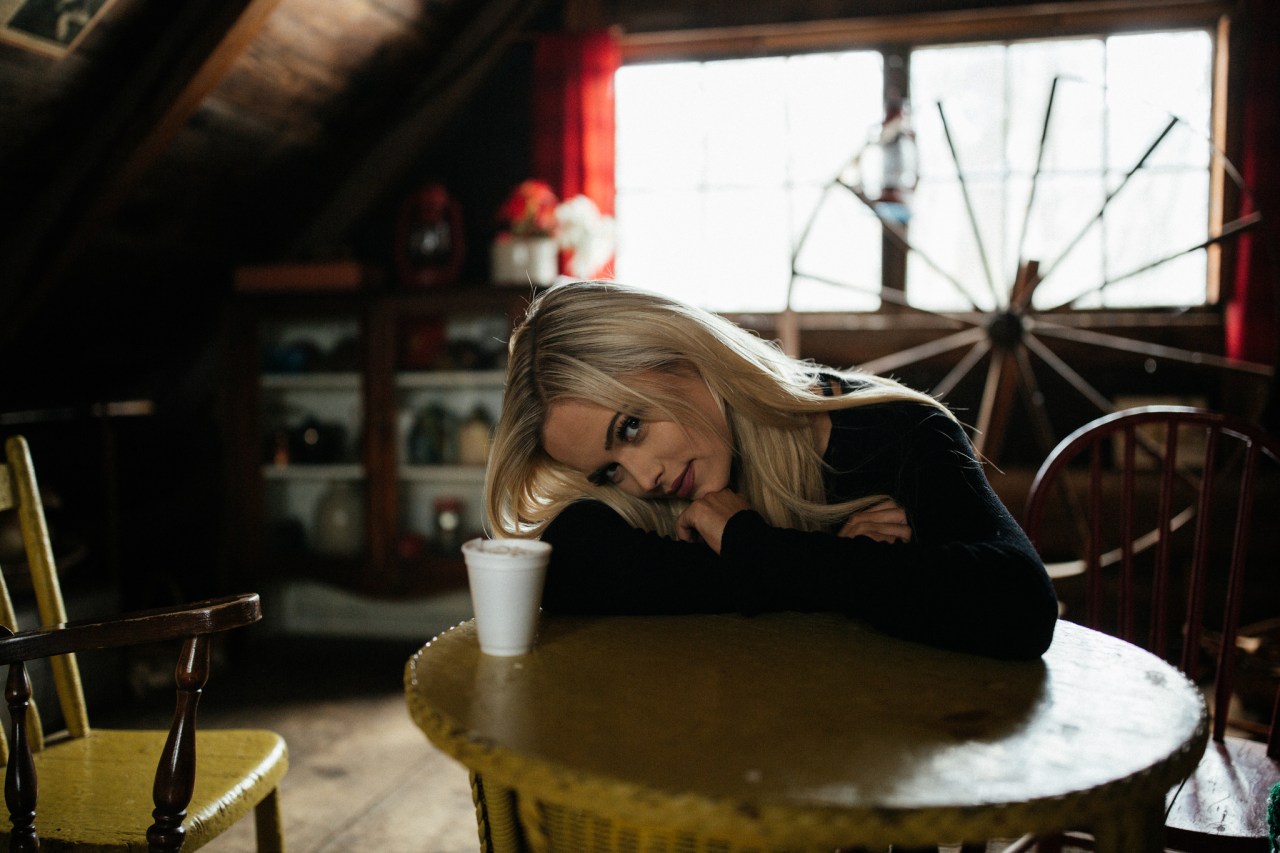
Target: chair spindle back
1191, 489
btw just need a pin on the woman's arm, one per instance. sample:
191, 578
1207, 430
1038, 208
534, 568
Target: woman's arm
600, 564
990, 597
969, 579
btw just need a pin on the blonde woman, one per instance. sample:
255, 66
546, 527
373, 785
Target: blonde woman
678, 463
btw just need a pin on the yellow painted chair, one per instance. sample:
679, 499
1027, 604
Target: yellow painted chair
122, 790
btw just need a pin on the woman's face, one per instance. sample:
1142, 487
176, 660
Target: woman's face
654, 459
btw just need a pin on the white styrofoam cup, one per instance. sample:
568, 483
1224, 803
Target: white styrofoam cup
506, 578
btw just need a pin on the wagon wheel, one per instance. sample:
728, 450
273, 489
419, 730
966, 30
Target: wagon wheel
1034, 302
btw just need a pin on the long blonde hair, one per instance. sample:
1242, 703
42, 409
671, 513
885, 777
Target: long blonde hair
592, 341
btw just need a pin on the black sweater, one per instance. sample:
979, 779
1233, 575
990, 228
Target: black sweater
968, 580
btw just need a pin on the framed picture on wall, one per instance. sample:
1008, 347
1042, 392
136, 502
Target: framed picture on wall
48, 26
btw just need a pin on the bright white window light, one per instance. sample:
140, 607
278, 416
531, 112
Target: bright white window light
1114, 100
722, 165
719, 165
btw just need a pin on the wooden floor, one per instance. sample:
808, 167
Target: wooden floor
361, 775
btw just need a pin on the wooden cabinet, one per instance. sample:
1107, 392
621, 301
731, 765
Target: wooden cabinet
357, 426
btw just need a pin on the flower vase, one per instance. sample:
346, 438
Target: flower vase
522, 261
339, 522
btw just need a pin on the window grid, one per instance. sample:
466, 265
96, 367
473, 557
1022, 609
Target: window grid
686, 263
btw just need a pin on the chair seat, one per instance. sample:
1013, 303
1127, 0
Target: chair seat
104, 781
1223, 804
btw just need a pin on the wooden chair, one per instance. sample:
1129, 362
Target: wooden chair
1159, 487
98, 788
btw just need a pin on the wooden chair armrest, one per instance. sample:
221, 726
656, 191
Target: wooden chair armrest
175, 770
138, 628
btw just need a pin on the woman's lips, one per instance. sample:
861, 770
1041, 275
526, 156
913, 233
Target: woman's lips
683, 486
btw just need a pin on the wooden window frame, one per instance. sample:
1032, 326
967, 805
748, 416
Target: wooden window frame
1199, 328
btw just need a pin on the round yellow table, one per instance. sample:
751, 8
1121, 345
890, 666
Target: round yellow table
802, 732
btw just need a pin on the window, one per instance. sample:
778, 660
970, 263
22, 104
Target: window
719, 164
730, 170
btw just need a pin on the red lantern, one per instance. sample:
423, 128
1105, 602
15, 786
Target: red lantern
429, 241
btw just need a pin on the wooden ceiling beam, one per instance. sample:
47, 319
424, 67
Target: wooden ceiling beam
122, 135
390, 154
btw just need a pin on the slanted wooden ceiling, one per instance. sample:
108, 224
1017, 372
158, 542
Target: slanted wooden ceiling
202, 132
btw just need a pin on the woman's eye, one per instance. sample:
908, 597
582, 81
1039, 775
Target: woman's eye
609, 475
628, 428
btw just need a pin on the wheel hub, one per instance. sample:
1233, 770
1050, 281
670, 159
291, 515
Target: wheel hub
1006, 329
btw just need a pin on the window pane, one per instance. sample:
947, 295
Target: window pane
1151, 77
726, 169
1076, 137
753, 142
1064, 235
664, 238
994, 98
833, 102
838, 265
745, 118
750, 264
969, 84
945, 272
661, 141
1174, 206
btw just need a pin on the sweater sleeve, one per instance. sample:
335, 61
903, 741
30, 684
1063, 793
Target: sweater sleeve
601, 565
969, 580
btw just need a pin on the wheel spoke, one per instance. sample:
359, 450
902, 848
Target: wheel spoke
928, 349
1049, 357
1232, 229
897, 297
1035, 182
1034, 398
1115, 342
990, 431
968, 206
961, 370
1173, 121
898, 233
1044, 433
804, 235
1148, 539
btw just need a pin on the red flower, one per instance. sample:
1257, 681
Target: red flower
530, 210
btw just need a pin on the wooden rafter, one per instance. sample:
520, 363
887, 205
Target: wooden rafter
462, 64
124, 133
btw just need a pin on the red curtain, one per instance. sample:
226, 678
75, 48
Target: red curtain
1251, 315
573, 114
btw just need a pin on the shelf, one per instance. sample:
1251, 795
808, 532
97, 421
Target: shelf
334, 360
346, 381
452, 380
469, 474
340, 471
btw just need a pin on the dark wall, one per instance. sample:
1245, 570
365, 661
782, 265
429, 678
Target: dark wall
479, 156
141, 498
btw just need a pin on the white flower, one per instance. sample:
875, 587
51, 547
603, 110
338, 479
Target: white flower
586, 233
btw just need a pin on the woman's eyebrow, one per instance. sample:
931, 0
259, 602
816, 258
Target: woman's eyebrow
608, 436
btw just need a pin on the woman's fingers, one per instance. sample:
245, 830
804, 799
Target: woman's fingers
884, 522
705, 519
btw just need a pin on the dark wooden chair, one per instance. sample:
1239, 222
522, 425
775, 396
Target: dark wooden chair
1148, 495
99, 789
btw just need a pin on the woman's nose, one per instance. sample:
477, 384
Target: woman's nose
646, 472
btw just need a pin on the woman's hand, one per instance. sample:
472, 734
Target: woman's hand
882, 522
706, 517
